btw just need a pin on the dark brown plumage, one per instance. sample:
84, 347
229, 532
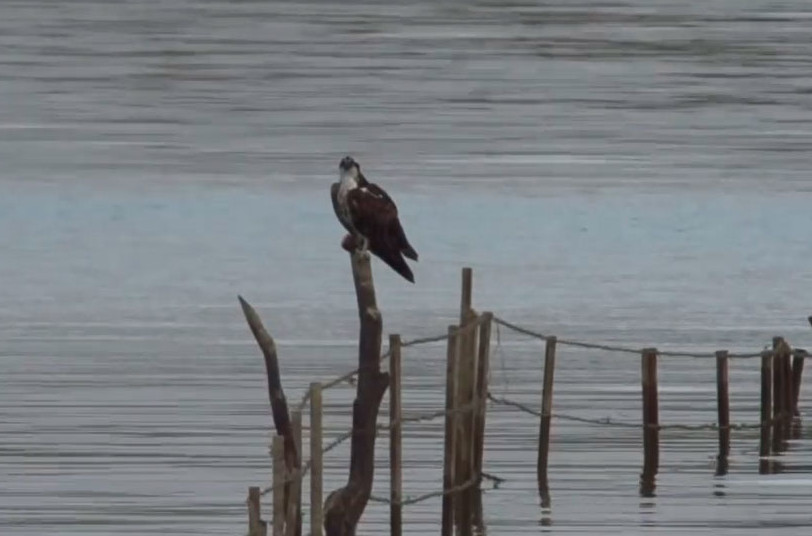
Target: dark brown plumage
371, 217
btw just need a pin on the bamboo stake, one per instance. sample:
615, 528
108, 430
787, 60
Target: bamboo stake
278, 483
723, 408
766, 411
316, 468
448, 462
395, 454
546, 413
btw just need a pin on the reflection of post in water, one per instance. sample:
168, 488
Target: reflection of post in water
544, 494
719, 489
651, 422
648, 483
722, 465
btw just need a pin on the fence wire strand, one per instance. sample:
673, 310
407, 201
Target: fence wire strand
473, 481
628, 350
607, 421
346, 378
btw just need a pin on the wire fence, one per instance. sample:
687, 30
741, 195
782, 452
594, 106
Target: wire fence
608, 421
629, 350
495, 481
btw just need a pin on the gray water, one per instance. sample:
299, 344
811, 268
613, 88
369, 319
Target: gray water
626, 172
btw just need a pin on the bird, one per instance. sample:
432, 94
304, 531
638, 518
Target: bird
371, 217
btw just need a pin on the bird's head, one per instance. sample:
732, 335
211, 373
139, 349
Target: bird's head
349, 166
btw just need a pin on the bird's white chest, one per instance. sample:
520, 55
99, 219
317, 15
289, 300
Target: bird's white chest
347, 184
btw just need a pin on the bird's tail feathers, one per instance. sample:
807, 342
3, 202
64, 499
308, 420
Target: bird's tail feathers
398, 264
403, 243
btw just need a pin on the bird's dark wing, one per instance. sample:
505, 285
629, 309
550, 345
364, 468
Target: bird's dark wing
403, 242
375, 216
334, 199
371, 211
378, 191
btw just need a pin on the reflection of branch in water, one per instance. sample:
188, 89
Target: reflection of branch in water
721, 465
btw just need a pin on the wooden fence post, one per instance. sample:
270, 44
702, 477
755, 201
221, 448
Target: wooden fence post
395, 453
450, 425
789, 397
256, 526
766, 411
293, 517
483, 365
278, 483
797, 376
546, 416
316, 485
466, 419
651, 420
466, 296
723, 407
481, 394
466, 370
778, 395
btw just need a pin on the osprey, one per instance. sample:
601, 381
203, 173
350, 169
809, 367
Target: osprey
371, 217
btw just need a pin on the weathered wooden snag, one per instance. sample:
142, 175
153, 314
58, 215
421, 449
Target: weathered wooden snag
278, 483
343, 507
276, 395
